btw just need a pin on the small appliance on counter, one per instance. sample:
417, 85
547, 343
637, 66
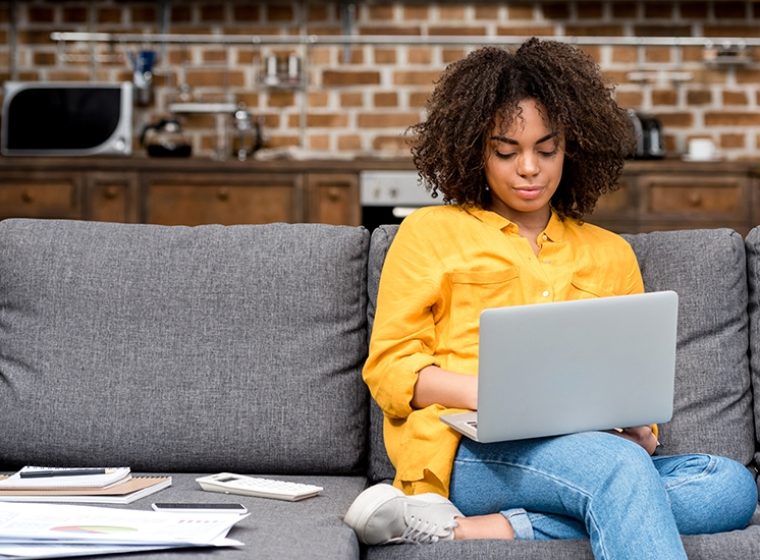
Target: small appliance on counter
66, 119
650, 141
165, 139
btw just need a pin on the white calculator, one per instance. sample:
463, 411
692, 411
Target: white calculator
230, 483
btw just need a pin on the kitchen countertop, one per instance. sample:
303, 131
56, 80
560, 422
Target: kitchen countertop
192, 164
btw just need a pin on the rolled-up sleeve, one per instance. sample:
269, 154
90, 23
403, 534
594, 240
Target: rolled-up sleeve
403, 335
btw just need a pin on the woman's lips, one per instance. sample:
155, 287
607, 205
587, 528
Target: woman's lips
529, 192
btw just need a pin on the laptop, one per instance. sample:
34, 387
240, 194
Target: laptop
557, 368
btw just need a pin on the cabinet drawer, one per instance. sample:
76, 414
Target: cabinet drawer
698, 197
26, 198
619, 203
221, 200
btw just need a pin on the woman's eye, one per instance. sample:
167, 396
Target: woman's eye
548, 153
503, 155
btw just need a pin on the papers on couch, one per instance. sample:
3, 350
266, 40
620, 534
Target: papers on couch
47, 531
126, 492
56, 477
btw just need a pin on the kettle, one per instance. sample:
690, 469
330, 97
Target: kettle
650, 142
248, 136
165, 139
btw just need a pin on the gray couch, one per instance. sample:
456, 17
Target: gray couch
192, 350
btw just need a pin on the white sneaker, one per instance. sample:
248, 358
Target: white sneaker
383, 514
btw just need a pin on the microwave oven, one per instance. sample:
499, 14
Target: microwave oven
68, 118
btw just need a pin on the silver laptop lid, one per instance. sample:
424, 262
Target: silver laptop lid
564, 367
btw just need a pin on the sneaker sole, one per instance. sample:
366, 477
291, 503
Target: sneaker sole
366, 504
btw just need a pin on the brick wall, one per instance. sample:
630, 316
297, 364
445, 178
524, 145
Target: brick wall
361, 98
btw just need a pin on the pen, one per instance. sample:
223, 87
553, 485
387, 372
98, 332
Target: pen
60, 472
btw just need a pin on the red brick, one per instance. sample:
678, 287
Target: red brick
735, 98
658, 10
732, 118
110, 15
589, 10
69, 75
732, 140
489, 13
386, 99
318, 99
415, 13
214, 77
397, 144
43, 59
327, 120
144, 14
353, 99
181, 13
74, 14
387, 120
449, 12
418, 99
600, 30
731, 30
380, 12
41, 14
402, 78
317, 13
214, 55
384, 55
694, 10
630, 99
730, 10
669, 30
280, 13
657, 54
477, 31
281, 99
520, 10
282, 140
389, 30
699, 97
525, 31
349, 142
246, 13
452, 54
662, 97
555, 10
624, 10
747, 76
624, 54
419, 55
318, 141
676, 120
350, 77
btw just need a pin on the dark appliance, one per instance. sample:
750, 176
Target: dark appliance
650, 142
165, 138
387, 197
72, 119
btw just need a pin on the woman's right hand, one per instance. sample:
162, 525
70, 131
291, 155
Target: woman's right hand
447, 388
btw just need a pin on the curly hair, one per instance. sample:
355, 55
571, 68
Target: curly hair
485, 88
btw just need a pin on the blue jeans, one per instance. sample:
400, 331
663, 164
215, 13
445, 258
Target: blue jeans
600, 486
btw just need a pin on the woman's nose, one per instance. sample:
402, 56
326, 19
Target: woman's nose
527, 164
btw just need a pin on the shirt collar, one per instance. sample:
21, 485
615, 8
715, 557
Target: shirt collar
555, 229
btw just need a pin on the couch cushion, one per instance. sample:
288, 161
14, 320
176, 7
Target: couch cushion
311, 528
713, 397
753, 277
178, 348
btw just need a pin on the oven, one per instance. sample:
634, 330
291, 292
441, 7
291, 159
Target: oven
387, 197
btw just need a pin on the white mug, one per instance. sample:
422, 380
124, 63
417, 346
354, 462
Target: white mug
701, 149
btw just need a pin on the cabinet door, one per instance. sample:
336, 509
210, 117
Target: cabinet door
111, 197
333, 198
40, 194
222, 198
695, 200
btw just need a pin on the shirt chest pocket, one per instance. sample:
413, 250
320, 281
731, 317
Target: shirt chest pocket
590, 284
471, 292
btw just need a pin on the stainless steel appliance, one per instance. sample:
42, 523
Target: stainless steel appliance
650, 142
68, 118
387, 197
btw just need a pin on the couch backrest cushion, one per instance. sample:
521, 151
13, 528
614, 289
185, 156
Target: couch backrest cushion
713, 398
753, 279
189, 349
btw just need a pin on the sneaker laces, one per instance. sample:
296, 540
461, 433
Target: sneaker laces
420, 531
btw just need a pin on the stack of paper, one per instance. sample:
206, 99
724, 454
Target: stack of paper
47, 531
94, 485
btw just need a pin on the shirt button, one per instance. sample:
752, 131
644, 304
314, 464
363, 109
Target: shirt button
545, 293
545, 237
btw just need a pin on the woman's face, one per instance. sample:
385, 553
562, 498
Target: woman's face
523, 165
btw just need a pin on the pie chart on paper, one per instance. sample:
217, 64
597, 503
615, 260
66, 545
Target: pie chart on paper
94, 529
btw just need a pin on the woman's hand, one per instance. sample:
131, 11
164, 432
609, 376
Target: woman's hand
447, 388
643, 435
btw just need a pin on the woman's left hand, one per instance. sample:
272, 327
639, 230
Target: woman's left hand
643, 435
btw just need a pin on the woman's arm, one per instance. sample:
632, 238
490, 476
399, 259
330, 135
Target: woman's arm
450, 389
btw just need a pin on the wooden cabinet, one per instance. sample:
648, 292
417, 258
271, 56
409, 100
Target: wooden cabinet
40, 194
333, 198
111, 197
228, 198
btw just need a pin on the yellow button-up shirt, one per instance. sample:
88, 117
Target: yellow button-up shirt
445, 265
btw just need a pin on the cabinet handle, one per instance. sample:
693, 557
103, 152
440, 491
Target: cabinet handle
695, 200
27, 197
110, 192
333, 194
223, 194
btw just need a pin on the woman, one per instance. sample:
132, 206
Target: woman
521, 145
